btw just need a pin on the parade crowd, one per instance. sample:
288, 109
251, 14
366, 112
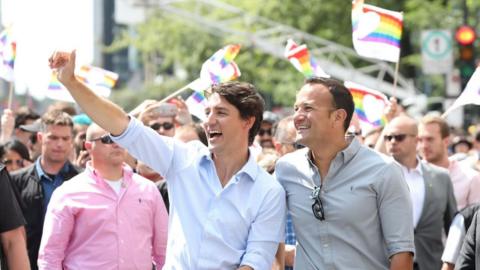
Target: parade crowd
247, 188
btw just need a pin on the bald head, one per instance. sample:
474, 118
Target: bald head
94, 131
403, 123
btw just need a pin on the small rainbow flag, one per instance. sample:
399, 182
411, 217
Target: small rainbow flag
376, 31
97, 77
196, 104
301, 59
54, 83
369, 105
8, 53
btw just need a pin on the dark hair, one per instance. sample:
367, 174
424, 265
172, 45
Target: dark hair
245, 98
341, 96
14, 145
201, 133
23, 114
57, 118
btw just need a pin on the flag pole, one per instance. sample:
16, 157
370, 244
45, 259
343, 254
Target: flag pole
10, 94
395, 79
176, 93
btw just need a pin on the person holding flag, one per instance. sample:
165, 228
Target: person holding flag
226, 212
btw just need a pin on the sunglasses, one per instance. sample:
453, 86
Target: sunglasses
105, 139
398, 137
262, 132
317, 206
166, 126
18, 162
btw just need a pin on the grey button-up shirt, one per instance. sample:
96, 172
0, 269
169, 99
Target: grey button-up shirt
368, 212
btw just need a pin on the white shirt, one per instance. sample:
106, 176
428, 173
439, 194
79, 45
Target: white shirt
416, 185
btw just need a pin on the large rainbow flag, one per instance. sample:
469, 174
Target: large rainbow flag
369, 105
301, 59
8, 52
376, 31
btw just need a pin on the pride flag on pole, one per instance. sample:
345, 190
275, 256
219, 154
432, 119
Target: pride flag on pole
301, 59
470, 95
376, 31
8, 52
100, 80
369, 105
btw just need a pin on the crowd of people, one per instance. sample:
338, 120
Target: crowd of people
245, 189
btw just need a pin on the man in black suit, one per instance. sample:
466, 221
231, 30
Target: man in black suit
431, 191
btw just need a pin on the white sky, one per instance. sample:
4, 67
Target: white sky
40, 27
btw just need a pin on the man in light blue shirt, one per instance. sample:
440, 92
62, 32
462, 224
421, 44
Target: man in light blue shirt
225, 212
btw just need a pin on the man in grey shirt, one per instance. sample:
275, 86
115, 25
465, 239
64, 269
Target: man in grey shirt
350, 206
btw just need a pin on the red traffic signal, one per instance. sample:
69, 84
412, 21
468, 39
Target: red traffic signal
465, 35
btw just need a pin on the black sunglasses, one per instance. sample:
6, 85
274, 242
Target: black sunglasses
398, 137
262, 132
166, 126
19, 162
105, 139
317, 206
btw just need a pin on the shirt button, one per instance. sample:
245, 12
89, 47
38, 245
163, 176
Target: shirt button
325, 245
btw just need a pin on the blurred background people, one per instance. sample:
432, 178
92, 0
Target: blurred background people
14, 155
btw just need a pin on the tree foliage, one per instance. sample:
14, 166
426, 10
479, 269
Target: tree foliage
165, 43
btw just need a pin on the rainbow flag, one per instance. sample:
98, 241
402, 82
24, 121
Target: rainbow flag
8, 53
301, 59
369, 105
376, 32
54, 83
196, 104
219, 68
97, 77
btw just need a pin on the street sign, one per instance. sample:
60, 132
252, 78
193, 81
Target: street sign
437, 55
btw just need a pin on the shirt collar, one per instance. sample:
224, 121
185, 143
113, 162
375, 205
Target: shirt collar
345, 155
417, 169
92, 173
41, 173
250, 168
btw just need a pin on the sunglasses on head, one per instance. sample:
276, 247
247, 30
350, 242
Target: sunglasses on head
398, 137
105, 139
18, 162
166, 126
262, 132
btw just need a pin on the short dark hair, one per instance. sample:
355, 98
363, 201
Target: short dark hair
341, 96
16, 146
57, 118
245, 98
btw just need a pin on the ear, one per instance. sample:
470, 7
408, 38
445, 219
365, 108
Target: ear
39, 136
88, 145
340, 116
249, 122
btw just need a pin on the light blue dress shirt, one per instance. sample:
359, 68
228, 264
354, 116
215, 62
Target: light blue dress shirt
211, 227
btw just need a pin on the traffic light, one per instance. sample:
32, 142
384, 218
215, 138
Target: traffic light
465, 37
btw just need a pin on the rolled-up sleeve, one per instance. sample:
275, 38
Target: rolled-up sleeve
267, 231
395, 210
57, 230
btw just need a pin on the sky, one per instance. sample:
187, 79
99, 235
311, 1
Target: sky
40, 28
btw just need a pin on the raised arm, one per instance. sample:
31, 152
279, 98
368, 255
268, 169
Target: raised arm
102, 111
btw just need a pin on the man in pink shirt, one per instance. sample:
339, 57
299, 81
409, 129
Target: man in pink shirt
106, 217
434, 138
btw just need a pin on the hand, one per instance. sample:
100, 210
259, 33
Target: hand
140, 108
392, 110
64, 63
7, 125
82, 159
183, 115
